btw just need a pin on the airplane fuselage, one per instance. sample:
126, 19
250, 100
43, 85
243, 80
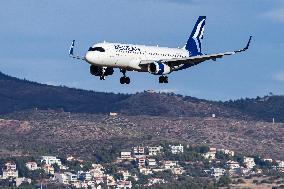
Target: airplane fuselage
128, 56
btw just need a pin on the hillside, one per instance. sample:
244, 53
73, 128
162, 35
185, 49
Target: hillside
18, 95
76, 121
265, 108
89, 135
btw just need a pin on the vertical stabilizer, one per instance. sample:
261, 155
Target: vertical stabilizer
194, 43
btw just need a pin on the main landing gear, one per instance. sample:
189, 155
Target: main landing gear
124, 79
163, 79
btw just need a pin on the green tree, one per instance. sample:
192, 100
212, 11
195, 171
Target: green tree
21, 166
222, 156
56, 167
87, 166
143, 179
202, 149
26, 186
111, 169
167, 175
37, 175
224, 181
118, 176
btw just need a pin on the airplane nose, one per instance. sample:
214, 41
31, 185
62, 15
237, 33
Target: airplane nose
89, 57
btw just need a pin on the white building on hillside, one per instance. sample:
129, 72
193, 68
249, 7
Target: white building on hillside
249, 162
177, 149
243, 171
86, 176
122, 184
232, 164
151, 162
141, 161
153, 151
50, 160
217, 172
113, 113
280, 163
268, 160
49, 169
154, 181
211, 155
145, 171
31, 166
139, 151
10, 166
178, 171
125, 155
97, 171
169, 164
70, 158
71, 177
10, 174
228, 152
10, 171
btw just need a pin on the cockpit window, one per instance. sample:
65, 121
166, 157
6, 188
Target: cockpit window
100, 49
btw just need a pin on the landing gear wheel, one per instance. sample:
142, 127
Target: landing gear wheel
122, 80
163, 79
125, 80
102, 78
166, 79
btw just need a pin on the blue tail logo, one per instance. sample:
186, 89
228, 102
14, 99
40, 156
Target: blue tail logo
194, 43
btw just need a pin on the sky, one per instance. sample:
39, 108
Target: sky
36, 35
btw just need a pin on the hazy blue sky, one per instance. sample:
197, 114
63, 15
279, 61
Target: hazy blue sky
35, 37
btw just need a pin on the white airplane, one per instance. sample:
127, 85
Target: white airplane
104, 57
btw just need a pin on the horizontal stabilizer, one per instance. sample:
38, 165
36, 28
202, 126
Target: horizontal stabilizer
71, 52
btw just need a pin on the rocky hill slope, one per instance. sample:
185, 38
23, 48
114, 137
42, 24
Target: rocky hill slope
91, 135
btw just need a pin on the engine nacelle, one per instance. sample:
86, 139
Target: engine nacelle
95, 70
99, 71
158, 68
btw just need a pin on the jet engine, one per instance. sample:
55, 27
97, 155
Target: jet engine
158, 68
100, 71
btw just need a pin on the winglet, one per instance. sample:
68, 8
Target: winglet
247, 46
71, 51
248, 43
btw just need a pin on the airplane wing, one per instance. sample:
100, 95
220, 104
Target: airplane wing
71, 52
194, 60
